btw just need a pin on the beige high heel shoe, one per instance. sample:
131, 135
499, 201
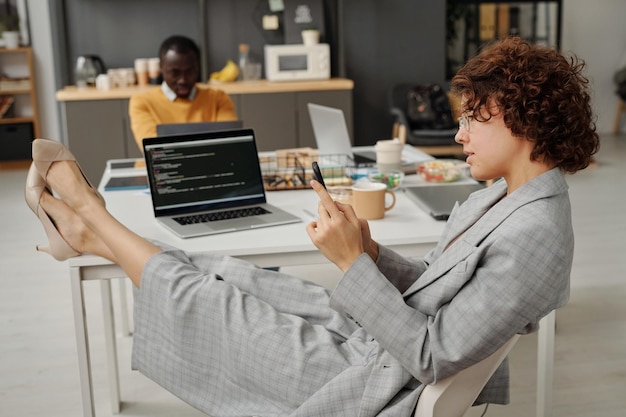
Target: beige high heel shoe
57, 246
47, 151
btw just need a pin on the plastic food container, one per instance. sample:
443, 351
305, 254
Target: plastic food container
442, 170
391, 178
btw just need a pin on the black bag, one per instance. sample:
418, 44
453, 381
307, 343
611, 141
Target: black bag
428, 107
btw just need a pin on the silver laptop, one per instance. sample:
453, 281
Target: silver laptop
208, 183
439, 200
167, 129
332, 137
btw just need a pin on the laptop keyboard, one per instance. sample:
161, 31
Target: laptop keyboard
221, 215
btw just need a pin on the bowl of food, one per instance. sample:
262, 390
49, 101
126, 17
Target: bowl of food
442, 170
391, 178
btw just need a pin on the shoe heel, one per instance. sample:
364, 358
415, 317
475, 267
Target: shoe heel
58, 247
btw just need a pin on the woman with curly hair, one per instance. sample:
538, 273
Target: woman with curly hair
232, 339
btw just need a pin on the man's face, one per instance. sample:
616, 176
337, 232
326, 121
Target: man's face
180, 72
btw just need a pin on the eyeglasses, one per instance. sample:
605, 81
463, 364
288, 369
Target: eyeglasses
464, 122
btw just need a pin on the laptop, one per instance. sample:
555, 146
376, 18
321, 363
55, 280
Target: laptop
332, 137
208, 183
439, 200
167, 129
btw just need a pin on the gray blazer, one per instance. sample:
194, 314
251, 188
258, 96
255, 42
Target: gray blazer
436, 316
235, 340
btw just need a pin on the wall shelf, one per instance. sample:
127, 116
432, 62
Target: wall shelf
12, 120
470, 24
20, 124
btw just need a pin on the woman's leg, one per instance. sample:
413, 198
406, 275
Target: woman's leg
219, 347
125, 248
227, 351
73, 229
287, 294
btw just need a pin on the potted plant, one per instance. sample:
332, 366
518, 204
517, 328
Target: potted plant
9, 27
310, 35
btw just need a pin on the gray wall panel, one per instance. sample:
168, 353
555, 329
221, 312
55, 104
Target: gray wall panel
121, 30
385, 42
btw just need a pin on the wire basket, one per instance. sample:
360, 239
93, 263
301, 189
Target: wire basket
290, 169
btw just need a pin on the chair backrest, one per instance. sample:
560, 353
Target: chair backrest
398, 96
398, 105
453, 396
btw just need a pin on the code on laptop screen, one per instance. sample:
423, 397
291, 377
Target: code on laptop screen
211, 172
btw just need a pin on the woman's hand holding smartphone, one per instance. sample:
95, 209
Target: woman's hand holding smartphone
340, 241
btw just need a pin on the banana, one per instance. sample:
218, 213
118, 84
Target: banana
226, 74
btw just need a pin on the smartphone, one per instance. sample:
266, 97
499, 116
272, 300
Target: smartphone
318, 174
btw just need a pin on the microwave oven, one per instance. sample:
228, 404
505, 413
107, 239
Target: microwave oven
297, 62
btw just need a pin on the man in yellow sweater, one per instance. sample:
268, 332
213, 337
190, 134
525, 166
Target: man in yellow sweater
179, 99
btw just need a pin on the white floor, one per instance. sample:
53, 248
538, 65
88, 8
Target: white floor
38, 367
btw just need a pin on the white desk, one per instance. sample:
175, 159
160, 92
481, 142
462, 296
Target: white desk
406, 229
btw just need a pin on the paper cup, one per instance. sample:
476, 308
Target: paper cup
388, 154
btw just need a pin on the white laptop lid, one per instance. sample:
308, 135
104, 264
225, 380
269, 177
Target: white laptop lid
208, 172
330, 129
332, 137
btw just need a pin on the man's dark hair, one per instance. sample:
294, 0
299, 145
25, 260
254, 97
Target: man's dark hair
180, 44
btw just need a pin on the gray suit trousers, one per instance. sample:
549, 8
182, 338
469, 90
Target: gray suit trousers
241, 340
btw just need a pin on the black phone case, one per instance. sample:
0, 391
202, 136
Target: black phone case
318, 174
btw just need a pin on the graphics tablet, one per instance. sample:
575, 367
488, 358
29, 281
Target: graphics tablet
439, 200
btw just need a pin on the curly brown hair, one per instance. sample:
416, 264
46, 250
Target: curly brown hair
543, 96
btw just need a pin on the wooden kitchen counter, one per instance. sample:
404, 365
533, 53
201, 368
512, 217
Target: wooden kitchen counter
96, 125
72, 93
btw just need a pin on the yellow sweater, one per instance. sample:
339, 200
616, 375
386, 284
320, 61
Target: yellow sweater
148, 109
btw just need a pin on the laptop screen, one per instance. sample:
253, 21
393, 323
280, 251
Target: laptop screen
207, 171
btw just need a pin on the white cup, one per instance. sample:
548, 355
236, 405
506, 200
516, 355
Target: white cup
310, 37
154, 70
122, 77
388, 154
141, 71
103, 82
11, 39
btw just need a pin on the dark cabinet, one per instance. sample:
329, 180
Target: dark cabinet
96, 132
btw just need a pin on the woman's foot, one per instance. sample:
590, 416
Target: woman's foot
80, 217
47, 153
34, 193
73, 229
66, 179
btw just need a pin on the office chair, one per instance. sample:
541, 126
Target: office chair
432, 141
453, 396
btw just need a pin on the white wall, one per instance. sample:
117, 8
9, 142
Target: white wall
41, 41
596, 32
